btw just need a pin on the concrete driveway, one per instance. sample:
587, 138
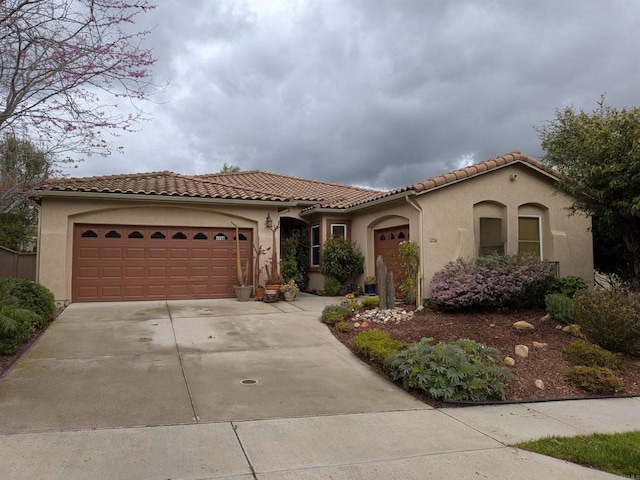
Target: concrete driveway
179, 362
154, 390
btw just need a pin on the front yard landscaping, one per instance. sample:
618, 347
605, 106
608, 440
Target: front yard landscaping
541, 375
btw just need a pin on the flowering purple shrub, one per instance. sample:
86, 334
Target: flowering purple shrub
493, 281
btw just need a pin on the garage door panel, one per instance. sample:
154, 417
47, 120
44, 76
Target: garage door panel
158, 253
112, 253
89, 273
112, 272
137, 263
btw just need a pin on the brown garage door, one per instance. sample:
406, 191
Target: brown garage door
128, 262
386, 244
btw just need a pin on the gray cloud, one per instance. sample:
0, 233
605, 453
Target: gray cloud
380, 93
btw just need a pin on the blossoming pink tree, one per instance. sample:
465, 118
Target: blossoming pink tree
66, 68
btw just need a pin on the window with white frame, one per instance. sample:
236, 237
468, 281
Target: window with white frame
339, 230
529, 235
314, 241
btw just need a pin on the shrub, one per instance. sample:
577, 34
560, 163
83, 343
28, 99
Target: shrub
375, 345
369, 303
493, 281
463, 370
34, 297
344, 327
332, 286
568, 285
560, 307
341, 259
16, 323
596, 380
333, 314
609, 318
590, 355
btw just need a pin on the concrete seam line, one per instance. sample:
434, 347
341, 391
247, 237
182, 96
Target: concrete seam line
235, 427
196, 418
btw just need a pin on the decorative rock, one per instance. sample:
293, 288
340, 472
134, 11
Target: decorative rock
522, 351
548, 316
492, 325
509, 361
539, 384
540, 344
364, 325
522, 325
356, 325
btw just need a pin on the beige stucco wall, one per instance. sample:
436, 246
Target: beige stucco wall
59, 215
449, 230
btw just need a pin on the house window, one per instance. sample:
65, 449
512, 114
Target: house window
315, 246
491, 236
529, 239
339, 230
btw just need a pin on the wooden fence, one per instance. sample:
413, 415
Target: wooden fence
17, 265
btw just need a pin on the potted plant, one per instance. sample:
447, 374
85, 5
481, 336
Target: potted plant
370, 285
274, 279
289, 290
243, 291
259, 292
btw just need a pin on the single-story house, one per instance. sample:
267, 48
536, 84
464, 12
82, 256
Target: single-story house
164, 235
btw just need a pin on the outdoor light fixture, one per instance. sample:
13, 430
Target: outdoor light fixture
269, 222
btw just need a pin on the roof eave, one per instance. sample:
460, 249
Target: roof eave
360, 206
510, 164
136, 197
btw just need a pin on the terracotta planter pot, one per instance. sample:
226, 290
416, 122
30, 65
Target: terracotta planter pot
259, 293
274, 287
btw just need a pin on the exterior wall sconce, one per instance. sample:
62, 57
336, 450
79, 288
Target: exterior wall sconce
268, 222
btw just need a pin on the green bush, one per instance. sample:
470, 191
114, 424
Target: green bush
333, 314
344, 327
375, 345
34, 297
332, 286
369, 303
596, 380
609, 318
560, 306
409, 253
341, 259
569, 285
590, 355
463, 370
16, 322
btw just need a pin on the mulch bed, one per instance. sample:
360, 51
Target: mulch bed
495, 329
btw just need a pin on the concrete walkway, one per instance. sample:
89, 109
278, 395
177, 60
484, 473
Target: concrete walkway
154, 390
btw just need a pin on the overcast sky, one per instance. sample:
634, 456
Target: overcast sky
379, 93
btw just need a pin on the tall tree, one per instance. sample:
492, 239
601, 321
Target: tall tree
22, 166
64, 67
229, 168
598, 156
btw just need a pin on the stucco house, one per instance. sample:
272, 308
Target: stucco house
163, 235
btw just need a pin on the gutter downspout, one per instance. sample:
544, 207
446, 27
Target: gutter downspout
420, 292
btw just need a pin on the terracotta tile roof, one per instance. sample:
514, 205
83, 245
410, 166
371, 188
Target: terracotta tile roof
267, 186
472, 171
249, 185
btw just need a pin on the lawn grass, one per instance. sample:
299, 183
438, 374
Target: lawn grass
617, 453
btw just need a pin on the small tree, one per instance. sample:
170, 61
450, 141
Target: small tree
341, 259
598, 157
